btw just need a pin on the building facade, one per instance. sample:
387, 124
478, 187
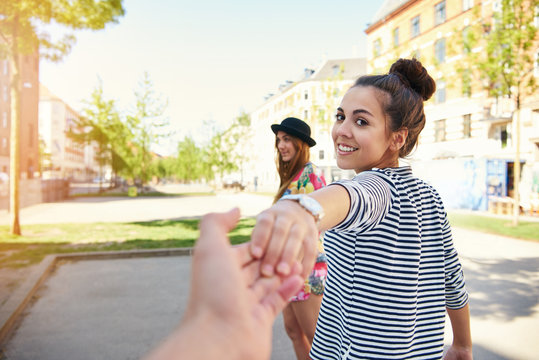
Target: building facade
30, 191
29, 145
64, 158
467, 147
314, 98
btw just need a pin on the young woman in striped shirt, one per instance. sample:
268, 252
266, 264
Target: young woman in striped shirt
393, 271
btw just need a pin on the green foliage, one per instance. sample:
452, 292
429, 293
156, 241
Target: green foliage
190, 161
147, 125
23, 24
508, 40
101, 124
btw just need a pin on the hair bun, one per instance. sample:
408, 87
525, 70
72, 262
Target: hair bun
412, 73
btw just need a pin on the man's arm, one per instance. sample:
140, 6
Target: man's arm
231, 308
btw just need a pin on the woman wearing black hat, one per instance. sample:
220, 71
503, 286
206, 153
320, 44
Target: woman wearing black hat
299, 176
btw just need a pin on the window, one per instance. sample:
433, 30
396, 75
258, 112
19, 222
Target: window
415, 30
467, 126
501, 134
336, 69
439, 50
4, 119
321, 155
396, 37
377, 47
467, 4
5, 90
439, 130
306, 95
306, 114
439, 13
4, 143
440, 92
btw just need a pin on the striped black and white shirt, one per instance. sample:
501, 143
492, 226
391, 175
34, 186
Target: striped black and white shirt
392, 271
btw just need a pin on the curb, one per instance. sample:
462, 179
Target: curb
21, 297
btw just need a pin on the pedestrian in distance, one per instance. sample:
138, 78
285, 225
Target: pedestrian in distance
393, 272
300, 176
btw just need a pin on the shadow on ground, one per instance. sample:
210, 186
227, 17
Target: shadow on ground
505, 289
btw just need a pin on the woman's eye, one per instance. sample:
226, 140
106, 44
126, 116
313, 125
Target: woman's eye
339, 117
361, 122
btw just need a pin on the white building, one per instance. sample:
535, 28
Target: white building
313, 98
65, 157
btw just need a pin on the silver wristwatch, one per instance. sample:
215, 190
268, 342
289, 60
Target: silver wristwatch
309, 204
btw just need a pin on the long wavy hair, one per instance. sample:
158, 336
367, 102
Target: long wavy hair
288, 169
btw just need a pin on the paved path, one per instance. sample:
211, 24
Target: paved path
120, 308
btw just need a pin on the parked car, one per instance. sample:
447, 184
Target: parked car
233, 184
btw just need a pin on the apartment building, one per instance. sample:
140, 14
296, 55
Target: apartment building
65, 158
29, 146
467, 147
28, 138
313, 98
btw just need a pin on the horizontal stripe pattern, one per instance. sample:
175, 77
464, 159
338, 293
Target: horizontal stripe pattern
392, 271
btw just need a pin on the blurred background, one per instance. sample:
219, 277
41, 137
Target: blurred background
133, 93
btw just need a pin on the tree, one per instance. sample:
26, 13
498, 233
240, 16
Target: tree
22, 31
506, 64
147, 125
101, 124
190, 162
239, 135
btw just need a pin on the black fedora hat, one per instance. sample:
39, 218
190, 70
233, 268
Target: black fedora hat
295, 127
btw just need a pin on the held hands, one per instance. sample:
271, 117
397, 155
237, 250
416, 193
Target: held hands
231, 308
283, 234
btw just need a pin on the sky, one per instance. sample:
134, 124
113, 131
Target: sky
210, 59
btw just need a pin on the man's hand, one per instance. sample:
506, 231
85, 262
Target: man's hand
231, 308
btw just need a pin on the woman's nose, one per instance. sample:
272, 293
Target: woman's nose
343, 128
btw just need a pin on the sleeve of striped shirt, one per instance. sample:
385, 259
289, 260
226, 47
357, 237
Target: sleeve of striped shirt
370, 201
456, 295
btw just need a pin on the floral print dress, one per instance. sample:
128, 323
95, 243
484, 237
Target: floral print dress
307, 181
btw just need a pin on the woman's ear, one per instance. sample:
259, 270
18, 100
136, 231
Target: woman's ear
398, 139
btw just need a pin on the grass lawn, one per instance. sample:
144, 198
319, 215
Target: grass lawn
525, 230
37, 241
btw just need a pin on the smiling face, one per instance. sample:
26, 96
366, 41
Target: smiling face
361, 133
285, 146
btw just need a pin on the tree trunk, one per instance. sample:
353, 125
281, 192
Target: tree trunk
516, 168
14, 136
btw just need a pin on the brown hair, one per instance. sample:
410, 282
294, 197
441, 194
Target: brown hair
405, 88
287, 170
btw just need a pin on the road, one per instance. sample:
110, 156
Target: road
502, 273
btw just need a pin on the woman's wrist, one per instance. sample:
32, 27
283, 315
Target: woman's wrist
309, 204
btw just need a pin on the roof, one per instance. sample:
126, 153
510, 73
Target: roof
46, 94
352, 68
387, 8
